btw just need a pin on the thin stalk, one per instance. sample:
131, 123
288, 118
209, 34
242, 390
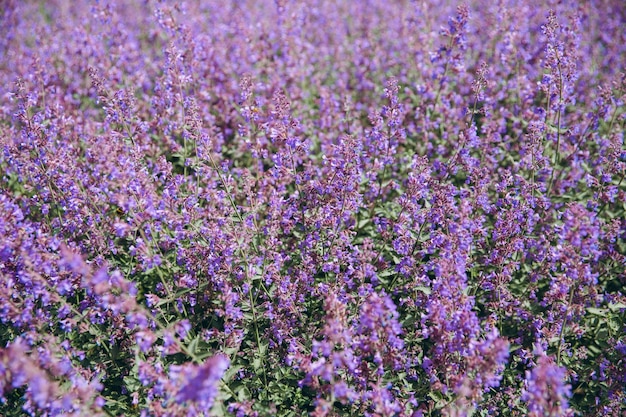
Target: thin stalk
558, 129
445, 72
562, 332
228, 194
298, 189
452, 161
256, 332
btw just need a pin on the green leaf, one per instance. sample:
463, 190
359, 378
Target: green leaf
231, 372
193, 346
425, 290
132, 383
386, 273
617, 307
597, 311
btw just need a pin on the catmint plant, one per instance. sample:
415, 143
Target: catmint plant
275, 208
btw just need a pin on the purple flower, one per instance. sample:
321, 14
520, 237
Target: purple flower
201, 385
546, 391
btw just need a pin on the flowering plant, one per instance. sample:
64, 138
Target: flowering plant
285, 208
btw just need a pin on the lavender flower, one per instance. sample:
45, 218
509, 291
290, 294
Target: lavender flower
200, 385
546, 390
356, 211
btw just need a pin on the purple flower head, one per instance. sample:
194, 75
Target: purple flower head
546, 391
201, 385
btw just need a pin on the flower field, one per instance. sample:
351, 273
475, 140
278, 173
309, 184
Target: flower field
312, 208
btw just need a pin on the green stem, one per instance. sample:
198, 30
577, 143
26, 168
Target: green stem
558, 129
562, 332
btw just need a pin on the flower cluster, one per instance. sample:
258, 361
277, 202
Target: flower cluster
546, 391
280, 208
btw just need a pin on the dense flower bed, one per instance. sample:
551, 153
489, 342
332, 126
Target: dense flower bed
324, 208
